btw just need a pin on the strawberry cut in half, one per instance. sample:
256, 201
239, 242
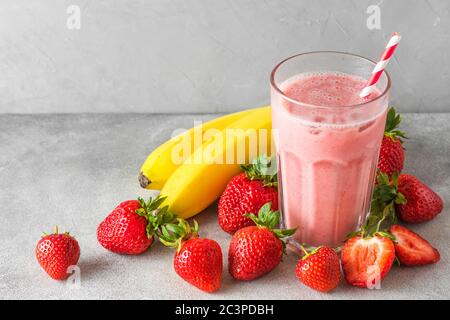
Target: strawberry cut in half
411, 249
366, 261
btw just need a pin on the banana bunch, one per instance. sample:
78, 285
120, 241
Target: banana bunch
193, 172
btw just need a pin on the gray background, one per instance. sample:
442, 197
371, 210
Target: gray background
171, 56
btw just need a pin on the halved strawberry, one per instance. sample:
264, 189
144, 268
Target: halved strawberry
367, 260
411, 249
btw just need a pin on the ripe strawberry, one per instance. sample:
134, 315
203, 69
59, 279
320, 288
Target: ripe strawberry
245, 193
130, 227
411, 249
197, 260
320, 269
56, 252
203, 268
257, 250
392, 155
367, 260
422, 204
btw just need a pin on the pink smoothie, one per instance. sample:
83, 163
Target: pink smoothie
327, 152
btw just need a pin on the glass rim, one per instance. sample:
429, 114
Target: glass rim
276, 87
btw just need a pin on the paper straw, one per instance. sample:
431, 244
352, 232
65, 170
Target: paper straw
381, 65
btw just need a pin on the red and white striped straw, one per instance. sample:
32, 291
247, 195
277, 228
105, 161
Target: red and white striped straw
379, 68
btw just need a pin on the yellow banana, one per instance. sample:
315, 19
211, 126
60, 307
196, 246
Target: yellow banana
160, 164
199, 181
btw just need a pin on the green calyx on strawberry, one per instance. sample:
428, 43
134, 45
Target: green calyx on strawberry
155, 215
262, 168
174, 235
198, 261
270, 220
392, 156
393, 120
55, 232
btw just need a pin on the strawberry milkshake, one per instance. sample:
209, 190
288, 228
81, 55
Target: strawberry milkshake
327, 140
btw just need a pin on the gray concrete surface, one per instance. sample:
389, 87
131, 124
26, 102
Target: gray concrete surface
200, 56
71, 170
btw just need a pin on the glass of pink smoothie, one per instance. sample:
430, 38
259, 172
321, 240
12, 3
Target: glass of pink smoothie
327, 140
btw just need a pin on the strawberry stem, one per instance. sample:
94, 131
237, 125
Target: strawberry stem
270, 219
309, 253
382, 212
174, 235
262, 168
393, 120
155, 214
304, 250
55, 232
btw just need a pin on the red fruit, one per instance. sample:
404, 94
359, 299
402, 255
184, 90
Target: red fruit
130, 205
253, 252
367, 260
57, 252
257, 250
422, 204
199, 262
129, 228
411, 249
392, 156
247, 193
320, 269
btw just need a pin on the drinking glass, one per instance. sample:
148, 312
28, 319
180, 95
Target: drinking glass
326, 155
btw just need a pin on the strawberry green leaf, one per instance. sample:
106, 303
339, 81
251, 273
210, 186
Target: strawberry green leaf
262, 168
173, 235
382, 212
155, 215
354, 234
386, 235
393, 120
270, 219
283, 233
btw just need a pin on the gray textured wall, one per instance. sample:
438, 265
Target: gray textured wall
204, 55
